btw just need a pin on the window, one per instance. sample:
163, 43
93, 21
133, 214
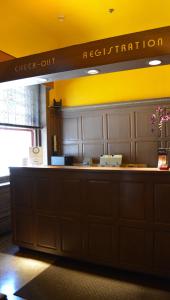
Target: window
14, 147
19, 106
19, 123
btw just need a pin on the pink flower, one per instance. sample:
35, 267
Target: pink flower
159, 117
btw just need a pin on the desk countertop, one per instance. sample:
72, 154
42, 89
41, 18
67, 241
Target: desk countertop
96, 168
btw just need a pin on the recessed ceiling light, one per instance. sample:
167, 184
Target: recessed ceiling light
155, 62
93, 71
110, 10
61, 18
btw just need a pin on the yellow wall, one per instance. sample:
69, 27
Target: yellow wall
153, 82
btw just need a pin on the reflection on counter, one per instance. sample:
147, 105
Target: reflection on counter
134, 166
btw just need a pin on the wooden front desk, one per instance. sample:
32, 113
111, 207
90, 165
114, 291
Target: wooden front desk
112, 216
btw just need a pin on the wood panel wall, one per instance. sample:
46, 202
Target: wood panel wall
114, 129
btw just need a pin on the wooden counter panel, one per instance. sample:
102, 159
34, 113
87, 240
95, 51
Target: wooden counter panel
132, 200
100, 198
44, 192
161, 251
135, 247
23, 192
5, 209
100, 243
47, 232
119, 218
71, 237
24, 228
71, 199
162, 203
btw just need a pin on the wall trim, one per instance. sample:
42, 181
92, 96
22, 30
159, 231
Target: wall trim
130, 103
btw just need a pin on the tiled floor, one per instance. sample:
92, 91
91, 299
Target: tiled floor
17, 267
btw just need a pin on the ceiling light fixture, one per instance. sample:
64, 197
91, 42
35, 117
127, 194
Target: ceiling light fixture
155, 62
61, 18
93, 71
110, 10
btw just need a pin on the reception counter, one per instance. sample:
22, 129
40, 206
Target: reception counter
112, 216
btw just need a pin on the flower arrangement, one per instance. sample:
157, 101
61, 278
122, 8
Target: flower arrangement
159, 117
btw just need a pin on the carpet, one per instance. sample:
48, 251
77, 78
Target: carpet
70, 280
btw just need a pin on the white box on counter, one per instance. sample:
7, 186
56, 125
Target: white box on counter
111, 160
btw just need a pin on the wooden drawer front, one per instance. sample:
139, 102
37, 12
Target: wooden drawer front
4, 199
101, 198
24, 228
71, 201
23, 193
162, 203
71, 237
102, 243
44, 195
135, 247
5, 210
132, 201
5, 224
162, 250
47, 232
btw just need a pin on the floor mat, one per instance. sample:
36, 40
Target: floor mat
70, 280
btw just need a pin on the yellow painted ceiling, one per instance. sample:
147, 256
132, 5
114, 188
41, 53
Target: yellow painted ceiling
32, 26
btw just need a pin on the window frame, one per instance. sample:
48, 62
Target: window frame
35, 140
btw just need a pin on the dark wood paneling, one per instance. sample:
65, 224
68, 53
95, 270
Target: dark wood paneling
24, 228
146, 152
71, 197
92, 121
100, 247
47, 232
71, 129
101, 198
23, 192
132, 201
119, 126
162, 203
71, 149
161, 250
167, 125
53, 128
93, 150
141, 119
4, 199
5, 209
125, 148
122, 129
135, 248
115, 217
71, 237
44, 194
